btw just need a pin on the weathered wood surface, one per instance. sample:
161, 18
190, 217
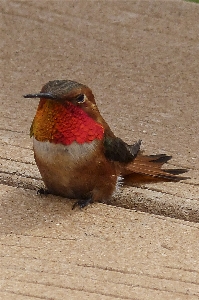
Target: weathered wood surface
141, 60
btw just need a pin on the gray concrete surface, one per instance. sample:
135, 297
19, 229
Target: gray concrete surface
141, 60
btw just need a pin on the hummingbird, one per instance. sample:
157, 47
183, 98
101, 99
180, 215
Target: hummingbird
76, 152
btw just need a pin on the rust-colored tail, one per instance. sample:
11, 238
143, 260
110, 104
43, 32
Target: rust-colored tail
148, 169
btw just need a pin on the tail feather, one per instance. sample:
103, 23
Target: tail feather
159, 159
176, 171
148, 169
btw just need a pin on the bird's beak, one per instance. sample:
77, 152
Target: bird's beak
41, 95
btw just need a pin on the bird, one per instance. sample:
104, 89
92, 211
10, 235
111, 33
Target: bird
78, 155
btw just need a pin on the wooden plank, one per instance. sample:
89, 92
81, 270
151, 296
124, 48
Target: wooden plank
48, 250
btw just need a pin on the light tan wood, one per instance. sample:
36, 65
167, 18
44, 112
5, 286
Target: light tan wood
140, 58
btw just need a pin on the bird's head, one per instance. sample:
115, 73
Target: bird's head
66, 108
64, 92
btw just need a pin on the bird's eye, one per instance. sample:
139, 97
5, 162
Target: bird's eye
80, 98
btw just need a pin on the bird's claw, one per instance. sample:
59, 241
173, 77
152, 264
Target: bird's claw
42, 191
81, 203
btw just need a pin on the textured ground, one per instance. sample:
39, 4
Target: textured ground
141, 60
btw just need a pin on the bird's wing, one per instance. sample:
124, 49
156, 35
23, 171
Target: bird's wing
136, 167
117, 150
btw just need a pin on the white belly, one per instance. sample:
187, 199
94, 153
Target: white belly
69, 156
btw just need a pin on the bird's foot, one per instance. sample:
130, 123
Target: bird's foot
82, 203
42, 191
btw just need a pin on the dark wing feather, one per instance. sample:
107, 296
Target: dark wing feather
117, 150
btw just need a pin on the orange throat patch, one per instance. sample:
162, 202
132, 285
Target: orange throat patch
64, 124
